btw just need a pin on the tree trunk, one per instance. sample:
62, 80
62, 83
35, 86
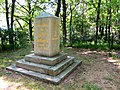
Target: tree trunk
109, 26
119, 36
70, 37
58, 8
102, 31
64, 22
106, 32
30, 20
12, 13
97, 21
12, 21
112, 40
7, 14
30, 28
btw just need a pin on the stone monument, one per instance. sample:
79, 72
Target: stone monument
46, 35
47, 62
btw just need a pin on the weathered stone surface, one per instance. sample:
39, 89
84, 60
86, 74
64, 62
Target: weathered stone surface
55, 70
46, 35
46, 60
54, 79
46, 15
50, 70
32, 66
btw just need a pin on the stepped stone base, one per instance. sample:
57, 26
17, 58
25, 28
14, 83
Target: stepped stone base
35, 66
46, 60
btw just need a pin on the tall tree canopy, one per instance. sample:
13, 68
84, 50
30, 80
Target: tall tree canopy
83, 22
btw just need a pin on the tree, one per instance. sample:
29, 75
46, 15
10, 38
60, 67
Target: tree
70, 36
64, 22
97, 20
10, 24
58, 8
28, 14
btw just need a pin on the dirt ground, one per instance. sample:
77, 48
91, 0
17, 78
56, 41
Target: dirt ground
97, 69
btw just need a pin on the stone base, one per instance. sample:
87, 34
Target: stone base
46, 60
53, 73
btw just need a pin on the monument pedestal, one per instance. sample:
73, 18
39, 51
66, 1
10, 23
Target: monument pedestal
53, 69
46, 63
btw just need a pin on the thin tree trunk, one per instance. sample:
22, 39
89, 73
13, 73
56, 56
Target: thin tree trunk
12, 21
109, 26
7, 20
97, 21
102, 31
30, 28
64, 22
112, 40
58, 8
12, 13
30, 20
106, 32
119, 36
7, 14
106, 24
70, 26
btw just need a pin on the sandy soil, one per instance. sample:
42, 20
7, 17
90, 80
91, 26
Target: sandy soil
98, 68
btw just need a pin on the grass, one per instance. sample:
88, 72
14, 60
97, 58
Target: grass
109, 77
22, 82
9, 57
91, 86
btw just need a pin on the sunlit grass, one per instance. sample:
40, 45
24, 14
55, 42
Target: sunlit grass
91, 86
22, 82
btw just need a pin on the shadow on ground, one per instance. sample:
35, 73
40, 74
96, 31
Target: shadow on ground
97, 72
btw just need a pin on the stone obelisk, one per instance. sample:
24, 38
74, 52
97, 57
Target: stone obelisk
46, 35
47, 62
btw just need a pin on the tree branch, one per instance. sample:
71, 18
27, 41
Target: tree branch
22, 19
22, 6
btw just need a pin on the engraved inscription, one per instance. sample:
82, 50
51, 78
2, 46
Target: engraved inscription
46, 36
42, 33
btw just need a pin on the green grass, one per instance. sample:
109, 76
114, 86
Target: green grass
109, 77
91, 86
9, 57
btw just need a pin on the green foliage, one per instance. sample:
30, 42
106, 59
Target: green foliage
90, 86
89, 45
109, 77
4, 38
83, 24
112, 54
84, 16
20, 39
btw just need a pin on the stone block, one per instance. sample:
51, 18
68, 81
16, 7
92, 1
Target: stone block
46, 69
53, 79
46, 60
46, 35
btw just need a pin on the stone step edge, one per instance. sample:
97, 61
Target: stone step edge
53, 79
46, 60
51, 70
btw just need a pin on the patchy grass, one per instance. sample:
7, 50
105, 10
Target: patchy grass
96, 73
91, 86
109, 77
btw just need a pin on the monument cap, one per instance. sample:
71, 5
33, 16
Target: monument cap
45, 15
